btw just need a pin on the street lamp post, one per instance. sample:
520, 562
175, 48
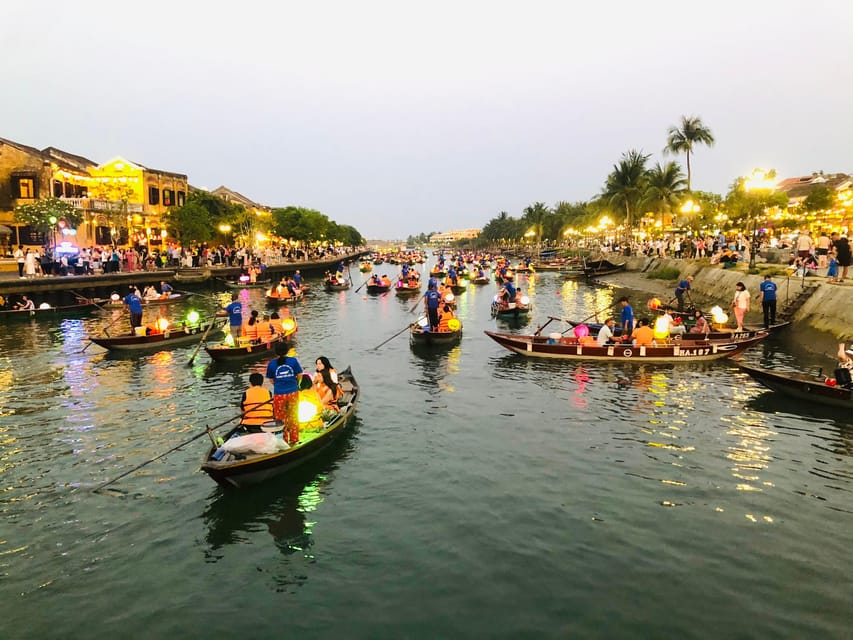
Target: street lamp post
53, 221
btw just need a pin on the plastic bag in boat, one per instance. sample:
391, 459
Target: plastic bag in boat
263, 443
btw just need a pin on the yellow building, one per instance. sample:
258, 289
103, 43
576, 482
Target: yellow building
458, 234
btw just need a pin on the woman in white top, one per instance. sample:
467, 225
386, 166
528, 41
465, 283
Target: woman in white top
30, 264
740, 303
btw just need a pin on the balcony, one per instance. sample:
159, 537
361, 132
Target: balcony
92, 204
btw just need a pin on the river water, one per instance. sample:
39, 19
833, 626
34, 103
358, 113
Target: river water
480, 494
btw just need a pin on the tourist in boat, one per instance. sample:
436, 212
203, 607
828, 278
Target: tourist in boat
250, 329
165, 289
275, 323
627, 318
507, 293
643, 335
385, 281
431, 301
264, 329
740, 304
326, 383
605, 334
375, 281
445, 316
25, 304
283, 371
768, 300
234, 311
701, 325
256, 404
133, 302
150, 293
682, 288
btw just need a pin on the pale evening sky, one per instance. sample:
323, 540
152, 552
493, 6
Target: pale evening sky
400, 118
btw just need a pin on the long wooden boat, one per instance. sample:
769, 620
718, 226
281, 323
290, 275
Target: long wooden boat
231, 284
801, 386
336, 285
421, 337
225, 352
378, 288
173, 336
514, 310
192, 275
51, 312
570, 349
249, 469
273, 298
725, 336
153, 302
404, 289
595, 268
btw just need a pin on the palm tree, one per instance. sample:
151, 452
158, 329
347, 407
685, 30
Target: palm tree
665, 187
626, 184
681, 139
534, 216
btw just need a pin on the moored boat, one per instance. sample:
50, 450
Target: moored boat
170, 298
801, 386
160, 337
570, 348
84, 305
247, 469
726, 335
192, 275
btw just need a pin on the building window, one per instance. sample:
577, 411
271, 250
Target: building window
69, 190
168, 198
57, 189
153, 195
31, 235
24, 188
182, 198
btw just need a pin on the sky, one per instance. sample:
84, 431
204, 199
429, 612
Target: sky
401, 118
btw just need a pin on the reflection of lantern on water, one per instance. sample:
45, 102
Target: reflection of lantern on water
581, 331
162, 324
718, 316
661, 331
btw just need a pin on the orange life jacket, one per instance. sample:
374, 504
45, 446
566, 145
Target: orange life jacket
444, 321
320, 387
251, 331
256, 412
264, 331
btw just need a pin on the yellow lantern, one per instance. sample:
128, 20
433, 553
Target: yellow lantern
661, 331
454, 325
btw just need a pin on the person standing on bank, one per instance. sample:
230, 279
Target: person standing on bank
768, 300
284, 371
134, 305
682, 288
19, 258
740, 304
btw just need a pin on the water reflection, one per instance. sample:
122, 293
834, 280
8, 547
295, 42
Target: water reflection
436, 368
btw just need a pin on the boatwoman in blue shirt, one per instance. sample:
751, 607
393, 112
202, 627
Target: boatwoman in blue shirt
627, 317
768, 300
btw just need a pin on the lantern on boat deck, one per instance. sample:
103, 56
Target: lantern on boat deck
524, 300
162, 325
289, 326
229, 340
309, 406
718, 316
115, 297
654, 304
423, 323
44, 305
581, 331
449, 297
661, 331
244, 279
454, 325
192, 317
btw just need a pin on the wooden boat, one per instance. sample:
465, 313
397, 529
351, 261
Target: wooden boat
231, 284
802, 386
595, 268
514, 310
249, 469
478, 281
437, 274
336, 285
153, 302
272, 297
84, 305
458, 288
172, 336
243, 351
192, 275
403, 289
570, 349
421, 336
378, 288
725, 336
366, 267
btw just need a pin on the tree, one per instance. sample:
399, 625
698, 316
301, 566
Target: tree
682, 139
665, 187
534, 218
38, 214
626, 184
190, 223
819, 198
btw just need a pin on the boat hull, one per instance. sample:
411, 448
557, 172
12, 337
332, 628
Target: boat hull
51, 312
375, 289
230, 354
421, 338
801, 387
567, 349
158, 340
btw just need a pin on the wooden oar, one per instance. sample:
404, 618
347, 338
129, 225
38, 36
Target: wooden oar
415, 306
88, 300
200, 342
406, 328
360, 286
183, 444
104, 330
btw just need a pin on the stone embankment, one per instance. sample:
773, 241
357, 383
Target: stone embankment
811, 302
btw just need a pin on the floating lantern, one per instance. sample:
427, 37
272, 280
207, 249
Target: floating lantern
661, 331
289, 325
192, 317
581, 331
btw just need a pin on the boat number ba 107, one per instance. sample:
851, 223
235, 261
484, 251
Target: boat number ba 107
693, 352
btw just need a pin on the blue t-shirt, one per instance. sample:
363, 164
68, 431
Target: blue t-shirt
432, 299
235, 314
284, 375
166, 288
133, 302
297, 279
510, 289
768, 288
683, 286
628, 316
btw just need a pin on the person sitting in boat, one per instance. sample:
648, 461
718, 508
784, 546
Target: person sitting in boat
25, 304
150, 293
375, 281
701, 326
279, 290
250, 329
507, 293
605, 334
275, 323
165, 289
325, 383
445, 316
2, 302
256, 404
385, 281
643, 335
264, 329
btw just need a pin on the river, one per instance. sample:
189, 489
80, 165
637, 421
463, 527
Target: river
480, 494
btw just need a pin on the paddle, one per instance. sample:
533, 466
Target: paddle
360, 286
406, 328
183, 444
87, 300
104, 330
415, 306
200, 342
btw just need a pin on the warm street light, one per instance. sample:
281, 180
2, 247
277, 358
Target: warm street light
761, 182
690, 207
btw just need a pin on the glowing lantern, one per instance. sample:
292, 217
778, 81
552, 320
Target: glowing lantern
654, 304
44, 305
192, 317
309, 406
229, 340
453, 324
289, 325
115, 297
525, 300
718, 316
162, 324
244, 279
661, 331
581, 331
448, 297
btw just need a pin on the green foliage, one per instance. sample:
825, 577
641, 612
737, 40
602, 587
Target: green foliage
819, 198
190, 223
626, 184
665, 187
743, 205
682, 139
664, 273
37, 214
309, 225
116, 195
